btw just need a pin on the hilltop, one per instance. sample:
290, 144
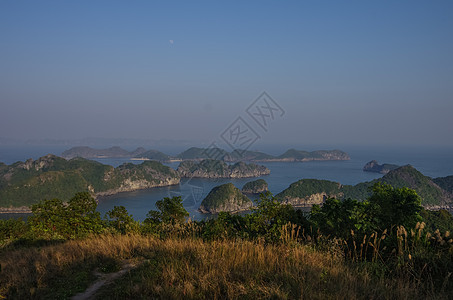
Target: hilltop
25, 183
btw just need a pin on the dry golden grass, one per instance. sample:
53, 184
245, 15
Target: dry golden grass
190, 268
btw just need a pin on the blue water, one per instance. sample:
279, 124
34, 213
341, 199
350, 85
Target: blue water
433, 162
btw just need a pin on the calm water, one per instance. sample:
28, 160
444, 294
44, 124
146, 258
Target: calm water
433, 162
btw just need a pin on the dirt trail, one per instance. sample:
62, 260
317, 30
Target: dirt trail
104, 279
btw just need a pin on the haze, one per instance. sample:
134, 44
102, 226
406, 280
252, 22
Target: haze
356, 72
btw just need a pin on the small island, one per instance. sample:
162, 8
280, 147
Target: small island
210, 168
225, 198
374, 166
255, 187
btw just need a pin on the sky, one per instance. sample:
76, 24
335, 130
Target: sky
340, 72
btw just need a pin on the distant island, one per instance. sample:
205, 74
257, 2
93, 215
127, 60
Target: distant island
209, 168
195, 153
436, 192
374, 166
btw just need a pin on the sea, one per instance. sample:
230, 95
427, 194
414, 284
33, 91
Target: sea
431, 161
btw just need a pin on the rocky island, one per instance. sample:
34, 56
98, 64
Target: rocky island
374, 166
225, 198
255, 187
26, 183
210, 168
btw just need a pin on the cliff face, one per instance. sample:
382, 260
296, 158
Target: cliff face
225, 198
209, 168
255, 187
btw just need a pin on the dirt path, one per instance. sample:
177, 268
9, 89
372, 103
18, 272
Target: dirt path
104, 279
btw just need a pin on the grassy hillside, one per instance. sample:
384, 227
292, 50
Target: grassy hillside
189, 269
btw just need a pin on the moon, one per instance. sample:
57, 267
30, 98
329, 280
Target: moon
171, 42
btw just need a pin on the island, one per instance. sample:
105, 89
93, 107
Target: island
255, 187
225, 198
374, 166
198, 154
26, 183
210, 168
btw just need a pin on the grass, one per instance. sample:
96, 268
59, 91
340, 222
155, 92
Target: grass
193, 269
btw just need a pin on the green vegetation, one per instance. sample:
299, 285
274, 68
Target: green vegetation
26, 183
255, 187
445, 182
343, 249
225, 197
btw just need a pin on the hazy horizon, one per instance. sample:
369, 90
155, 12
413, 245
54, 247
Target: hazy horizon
342, 73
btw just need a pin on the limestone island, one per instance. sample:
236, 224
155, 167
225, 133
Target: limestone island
210, 168
374, 166
225, 198
255, 187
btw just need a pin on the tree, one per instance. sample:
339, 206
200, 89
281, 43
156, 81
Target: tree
120, 219
391, 207
171, 211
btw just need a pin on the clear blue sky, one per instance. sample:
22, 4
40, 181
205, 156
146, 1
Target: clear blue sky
359, 72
